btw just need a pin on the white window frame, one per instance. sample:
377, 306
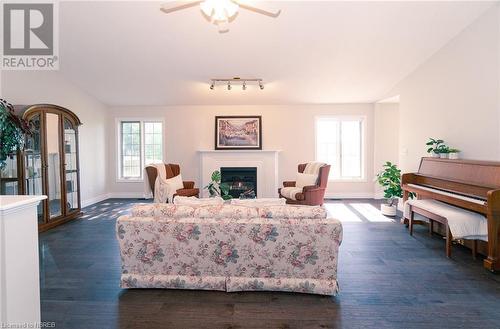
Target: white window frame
362, 119
118, 136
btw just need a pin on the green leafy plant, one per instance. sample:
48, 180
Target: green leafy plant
12, 132
390, 180
435, 145
452, 150
216, 188
442, 149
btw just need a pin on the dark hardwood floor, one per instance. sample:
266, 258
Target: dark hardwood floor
387, 280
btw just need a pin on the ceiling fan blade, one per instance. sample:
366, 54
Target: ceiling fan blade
259, 11
167, 9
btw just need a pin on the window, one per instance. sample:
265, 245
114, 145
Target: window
339, 142
141, 143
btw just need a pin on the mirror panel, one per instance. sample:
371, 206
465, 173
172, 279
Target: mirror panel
53, 164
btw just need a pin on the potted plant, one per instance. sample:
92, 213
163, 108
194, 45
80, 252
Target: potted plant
12, 132
216, 188
453, 153
390, 180
433, 146
443, 151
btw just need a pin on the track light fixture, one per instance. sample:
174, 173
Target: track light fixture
236, 80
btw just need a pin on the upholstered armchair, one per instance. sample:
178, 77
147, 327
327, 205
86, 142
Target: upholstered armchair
172, 170
311, 195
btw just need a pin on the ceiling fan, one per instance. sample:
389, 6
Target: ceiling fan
218, 12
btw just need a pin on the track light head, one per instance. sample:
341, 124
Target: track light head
261, 85
212, 86
244, 85
228, 85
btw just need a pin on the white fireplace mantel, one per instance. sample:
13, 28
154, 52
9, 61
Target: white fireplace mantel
266, 162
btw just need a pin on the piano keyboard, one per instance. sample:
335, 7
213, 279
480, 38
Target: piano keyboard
457, 196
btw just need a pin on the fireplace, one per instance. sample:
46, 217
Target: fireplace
241, 180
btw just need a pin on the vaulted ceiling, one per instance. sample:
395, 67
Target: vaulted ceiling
130, 53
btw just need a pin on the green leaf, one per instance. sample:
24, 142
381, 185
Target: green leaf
216, 176
224, 188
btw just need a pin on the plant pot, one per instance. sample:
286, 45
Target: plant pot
443, 155
435, 155
388, 210
453, 155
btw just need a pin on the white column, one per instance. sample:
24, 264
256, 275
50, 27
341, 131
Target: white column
19, 269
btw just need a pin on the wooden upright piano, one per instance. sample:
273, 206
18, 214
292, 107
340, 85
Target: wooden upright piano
469, 184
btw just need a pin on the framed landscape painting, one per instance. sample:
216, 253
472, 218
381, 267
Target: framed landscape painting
238, 133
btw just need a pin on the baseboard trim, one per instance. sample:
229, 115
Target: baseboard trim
94, 200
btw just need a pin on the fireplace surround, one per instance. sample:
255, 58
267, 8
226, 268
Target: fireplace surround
265, 161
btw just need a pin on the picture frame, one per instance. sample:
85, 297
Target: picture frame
238, 132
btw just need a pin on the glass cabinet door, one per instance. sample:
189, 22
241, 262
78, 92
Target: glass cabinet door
9, 177
33, 182
71, 167
53, 164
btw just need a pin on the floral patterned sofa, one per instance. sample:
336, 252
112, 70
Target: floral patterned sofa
230, 248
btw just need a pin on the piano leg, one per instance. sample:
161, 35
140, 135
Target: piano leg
410, 223
449, 240
492, 262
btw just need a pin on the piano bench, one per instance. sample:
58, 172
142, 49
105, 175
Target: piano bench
423, 208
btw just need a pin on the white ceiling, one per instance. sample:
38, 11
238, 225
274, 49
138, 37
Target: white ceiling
130, 53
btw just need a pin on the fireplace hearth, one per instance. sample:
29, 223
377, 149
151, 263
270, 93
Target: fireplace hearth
242, 181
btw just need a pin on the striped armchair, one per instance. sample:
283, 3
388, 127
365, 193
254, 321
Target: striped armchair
312, 195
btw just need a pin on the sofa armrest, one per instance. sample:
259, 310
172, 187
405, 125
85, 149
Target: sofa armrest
188, 184
288, 184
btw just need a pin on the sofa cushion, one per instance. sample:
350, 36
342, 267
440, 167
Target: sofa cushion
262, 202
226, 211
196, 202
163, 210
293, 212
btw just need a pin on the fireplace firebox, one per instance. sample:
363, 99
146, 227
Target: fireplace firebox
242, 181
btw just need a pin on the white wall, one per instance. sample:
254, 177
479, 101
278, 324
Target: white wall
286, 128
385, 139
35, 87
454, 95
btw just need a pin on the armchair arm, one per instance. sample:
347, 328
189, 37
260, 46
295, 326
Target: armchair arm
188, 184
311, 188
288, 184
314, 195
